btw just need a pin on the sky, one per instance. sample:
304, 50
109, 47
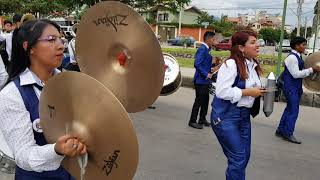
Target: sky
233, 7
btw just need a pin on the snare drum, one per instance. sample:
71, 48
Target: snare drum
172, 78
7, 163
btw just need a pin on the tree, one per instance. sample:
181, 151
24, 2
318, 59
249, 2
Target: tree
8, 6
205, 17
272, 35
139, 4
46, 7
224, 27
302, 30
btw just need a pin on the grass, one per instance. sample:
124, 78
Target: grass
222, 54
188, 63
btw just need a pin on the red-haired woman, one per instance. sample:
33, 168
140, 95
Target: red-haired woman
238, 84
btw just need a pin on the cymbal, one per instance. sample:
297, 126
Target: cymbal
77, 104
312, 82
116, 46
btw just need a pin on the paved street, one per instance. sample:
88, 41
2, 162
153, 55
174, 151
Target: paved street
170, 150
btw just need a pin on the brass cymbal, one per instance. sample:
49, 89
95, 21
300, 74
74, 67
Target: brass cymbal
77, 104
312, 82
118, 48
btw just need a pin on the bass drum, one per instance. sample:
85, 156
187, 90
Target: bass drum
7, 163
172, 77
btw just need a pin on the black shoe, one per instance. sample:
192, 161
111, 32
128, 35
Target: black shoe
291, 139
279, 134
196, 126
205, 123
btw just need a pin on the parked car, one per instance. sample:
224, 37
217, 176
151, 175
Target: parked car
224, 45
181, 40
285, 46
261, 42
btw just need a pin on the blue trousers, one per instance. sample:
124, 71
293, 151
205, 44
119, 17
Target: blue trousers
291, 112
234, 136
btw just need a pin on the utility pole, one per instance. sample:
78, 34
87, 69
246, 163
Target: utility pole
317, 23
305, 27
299, 12
281, 36
180, 19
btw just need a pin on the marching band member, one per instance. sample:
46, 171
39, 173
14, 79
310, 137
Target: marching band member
201, 80
238, 84
37, 51
293, 75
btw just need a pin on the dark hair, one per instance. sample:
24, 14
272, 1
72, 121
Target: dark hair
16, 18
7, 22
29, 32
240, 38
297, 41
208, 34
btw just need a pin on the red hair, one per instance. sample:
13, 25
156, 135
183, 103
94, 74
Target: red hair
240, 38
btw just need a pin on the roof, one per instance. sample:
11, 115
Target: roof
197, 10
233, 19
188, 8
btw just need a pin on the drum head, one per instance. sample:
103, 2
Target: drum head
172, 69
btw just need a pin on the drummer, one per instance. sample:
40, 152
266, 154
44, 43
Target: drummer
36, 53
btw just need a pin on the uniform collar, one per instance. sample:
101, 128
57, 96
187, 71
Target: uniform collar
28, 77
296, 52
251, 63
205, 45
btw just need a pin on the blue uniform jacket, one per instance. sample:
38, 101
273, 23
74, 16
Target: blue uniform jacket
202, 63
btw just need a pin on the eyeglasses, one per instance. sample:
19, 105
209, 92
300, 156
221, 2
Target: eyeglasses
52, 39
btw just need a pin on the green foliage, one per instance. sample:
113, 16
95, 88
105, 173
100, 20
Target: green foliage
46, 7
189, 62
224, 27
205, 17
302, 31
272, 35
8, 6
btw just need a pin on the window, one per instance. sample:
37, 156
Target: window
163, 17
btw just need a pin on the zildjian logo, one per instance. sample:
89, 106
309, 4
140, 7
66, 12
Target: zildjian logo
114, 21
108, 164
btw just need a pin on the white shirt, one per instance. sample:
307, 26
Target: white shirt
293, 66
72, 49
16, 127
9, 45
3, 74
226, 77
3, 35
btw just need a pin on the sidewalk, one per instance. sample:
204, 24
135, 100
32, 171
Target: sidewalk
308, 98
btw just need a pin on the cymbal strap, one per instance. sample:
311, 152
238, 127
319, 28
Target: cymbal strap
314, 76
83, 161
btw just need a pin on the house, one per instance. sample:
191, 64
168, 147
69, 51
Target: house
234, 20
165, 21
260, 20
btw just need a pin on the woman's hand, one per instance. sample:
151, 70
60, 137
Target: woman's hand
254, 92
69, 146
316, 69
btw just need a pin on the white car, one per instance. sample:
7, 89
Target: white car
261, 42
308, 52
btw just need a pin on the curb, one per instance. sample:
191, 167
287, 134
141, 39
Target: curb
308, 98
